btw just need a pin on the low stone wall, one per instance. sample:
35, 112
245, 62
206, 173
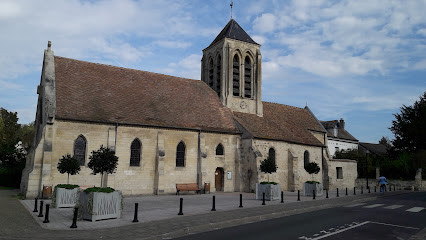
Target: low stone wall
398, 183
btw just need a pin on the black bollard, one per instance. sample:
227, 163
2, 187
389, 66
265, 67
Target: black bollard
354, 191
46, 216
394, 188
362, 190
180, 207
337, 193
375, 190
326, 193
74, 219
390, 188
282, 196
263, 199
35, 205
40, 214
135, 218
214, 203
241, 200
346, 191
298, 195
313, 196
369, 190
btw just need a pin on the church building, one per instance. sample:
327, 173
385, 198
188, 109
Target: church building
167, 130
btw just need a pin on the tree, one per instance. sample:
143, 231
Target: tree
69, 165
103, 161
312, 168
386, 142
268, 166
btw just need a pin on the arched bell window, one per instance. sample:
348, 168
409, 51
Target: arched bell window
211, 73
271, 154
219, 150
247, 77
236, 76
218, 74
80, 149
180, 155
135, 153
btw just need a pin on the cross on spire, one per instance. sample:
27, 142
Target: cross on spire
232, 4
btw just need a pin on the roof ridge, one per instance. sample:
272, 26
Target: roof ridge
284, 105
125, 68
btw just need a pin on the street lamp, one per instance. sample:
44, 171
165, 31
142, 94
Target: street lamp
366, 166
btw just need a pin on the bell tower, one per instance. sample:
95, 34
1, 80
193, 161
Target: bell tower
232, 67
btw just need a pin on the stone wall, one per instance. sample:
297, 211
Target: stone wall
399, 184
349, 172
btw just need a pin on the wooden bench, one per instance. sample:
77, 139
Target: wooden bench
187, 187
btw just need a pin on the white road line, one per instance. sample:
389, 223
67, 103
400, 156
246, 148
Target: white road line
415, 209
339, 231
373, 206
393, 225
393, 206
356, 204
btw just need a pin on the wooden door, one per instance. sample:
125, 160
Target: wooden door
219, 179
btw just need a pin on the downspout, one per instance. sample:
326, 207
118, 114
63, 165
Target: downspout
199, 158
115, 140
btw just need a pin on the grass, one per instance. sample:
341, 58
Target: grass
7, 188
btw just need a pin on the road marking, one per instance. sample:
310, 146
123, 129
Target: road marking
339, 231
393, 225
415, 209
393, 206
356, 204
373, 206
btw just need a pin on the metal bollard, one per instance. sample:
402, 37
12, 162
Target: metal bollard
326, 193
135, 218
241, 200
263, 199
40, 214
180, 207
214, 203
390, 188
313, 196
46, 216
337, 195
354, 190
375, 190
74, 219
282, 196
394, 188
298, 195
35, 205
369, 190
346, 191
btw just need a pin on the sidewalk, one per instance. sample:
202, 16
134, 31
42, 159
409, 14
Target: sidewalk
158, 215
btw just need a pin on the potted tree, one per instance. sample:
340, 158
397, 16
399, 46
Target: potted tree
271, 189
101, 202
66, 195
308, 187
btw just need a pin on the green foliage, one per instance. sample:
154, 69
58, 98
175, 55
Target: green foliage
103, 161
99, 189
273, 183
67, 186
268, 165
69, 165
366, 166
312, 168
312, 182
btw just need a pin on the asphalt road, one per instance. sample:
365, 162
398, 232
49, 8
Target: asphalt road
385, 218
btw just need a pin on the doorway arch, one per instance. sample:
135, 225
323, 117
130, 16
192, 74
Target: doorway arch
219, 179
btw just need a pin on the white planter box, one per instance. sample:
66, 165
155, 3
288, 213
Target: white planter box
65, 197
272, 192
309, 187
98, 205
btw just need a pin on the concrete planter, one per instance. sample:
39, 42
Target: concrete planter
63, 197
272, 192
98, 205
309, 187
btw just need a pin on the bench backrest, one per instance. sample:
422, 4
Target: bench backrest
187, 186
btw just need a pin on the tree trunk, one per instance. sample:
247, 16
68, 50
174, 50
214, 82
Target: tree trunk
102, 178
68, 181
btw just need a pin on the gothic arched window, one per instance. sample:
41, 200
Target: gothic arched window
80, 149
135, 153
219, 150
218, 74
211, 73
236, 76
306, 159
271, 154
247, 78
180, 155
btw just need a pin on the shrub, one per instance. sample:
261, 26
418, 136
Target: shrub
69, 165
103, 161
99, 189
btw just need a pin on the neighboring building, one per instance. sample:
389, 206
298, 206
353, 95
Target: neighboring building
372, 148
338, 138
167, 130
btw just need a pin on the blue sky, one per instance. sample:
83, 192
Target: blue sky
356, 60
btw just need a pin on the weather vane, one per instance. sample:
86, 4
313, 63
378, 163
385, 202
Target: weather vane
232, 3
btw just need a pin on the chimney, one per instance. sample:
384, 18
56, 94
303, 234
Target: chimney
342, 123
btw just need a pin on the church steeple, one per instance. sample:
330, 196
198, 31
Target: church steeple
231, 65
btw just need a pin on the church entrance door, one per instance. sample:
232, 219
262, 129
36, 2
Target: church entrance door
219, 179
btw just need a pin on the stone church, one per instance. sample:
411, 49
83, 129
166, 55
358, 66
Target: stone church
167, 130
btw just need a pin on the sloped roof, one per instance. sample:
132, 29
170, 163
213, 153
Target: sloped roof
283, 123
378, 149
341, 132
95, 92
234, 31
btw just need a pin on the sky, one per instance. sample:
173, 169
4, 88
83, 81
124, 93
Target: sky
357, 60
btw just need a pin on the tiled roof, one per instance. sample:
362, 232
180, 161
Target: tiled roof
234, 31
283, 123
378, 149
341, 132
95, 92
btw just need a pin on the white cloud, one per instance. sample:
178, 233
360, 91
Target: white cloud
172, 44
188, 67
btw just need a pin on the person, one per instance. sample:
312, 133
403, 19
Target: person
382, 183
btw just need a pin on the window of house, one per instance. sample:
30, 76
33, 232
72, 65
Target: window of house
271, 154
247, 78
218, 74
339, 172
180, 155
305, 159
336, 149
219, 150
135, 153
80, 149
236, 76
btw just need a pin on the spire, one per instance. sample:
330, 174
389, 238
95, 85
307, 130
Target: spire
234, 31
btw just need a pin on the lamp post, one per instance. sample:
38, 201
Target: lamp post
366, 166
